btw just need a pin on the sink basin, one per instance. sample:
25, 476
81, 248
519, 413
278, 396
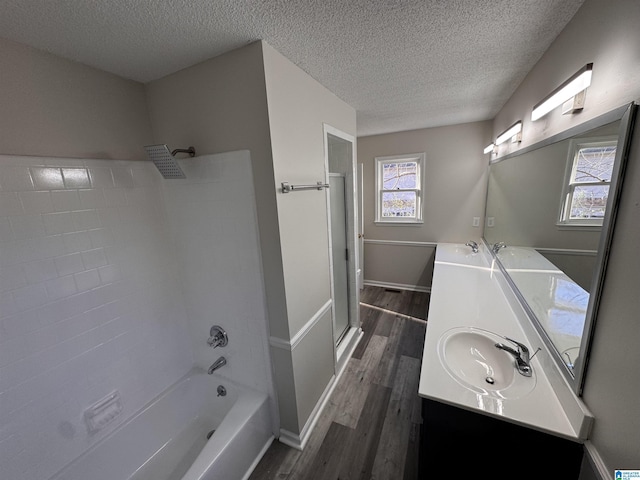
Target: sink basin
470, 357
460, 255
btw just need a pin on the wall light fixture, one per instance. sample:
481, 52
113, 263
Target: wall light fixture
489, 148
514, 132
570, 94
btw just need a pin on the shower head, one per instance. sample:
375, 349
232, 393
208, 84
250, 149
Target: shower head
165, 161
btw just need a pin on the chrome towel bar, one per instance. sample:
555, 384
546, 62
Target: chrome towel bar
286, 187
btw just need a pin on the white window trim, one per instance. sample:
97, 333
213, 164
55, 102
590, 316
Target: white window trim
419, 158
563, 221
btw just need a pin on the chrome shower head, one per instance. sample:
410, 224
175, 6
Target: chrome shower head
165, 161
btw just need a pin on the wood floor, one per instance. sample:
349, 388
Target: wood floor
370, 426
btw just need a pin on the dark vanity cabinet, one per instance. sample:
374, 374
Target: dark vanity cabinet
458, 443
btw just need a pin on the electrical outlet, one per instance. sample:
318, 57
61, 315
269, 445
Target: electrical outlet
476, 221
491, 221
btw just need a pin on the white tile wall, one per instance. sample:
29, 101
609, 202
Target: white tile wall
90, 302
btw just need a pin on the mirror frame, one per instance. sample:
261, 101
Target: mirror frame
626, 115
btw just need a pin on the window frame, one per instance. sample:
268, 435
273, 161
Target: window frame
568, 188
419, 158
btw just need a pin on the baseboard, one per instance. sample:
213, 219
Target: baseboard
397, 286
290, 439
298, 441
346, 348
598, 466
400, 243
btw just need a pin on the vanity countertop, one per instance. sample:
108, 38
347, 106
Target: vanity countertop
559, 303
466, 292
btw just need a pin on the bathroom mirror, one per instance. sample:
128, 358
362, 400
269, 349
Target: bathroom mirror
554, 204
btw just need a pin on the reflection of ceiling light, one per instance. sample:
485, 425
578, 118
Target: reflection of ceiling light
489, 148
572, 92
511, 132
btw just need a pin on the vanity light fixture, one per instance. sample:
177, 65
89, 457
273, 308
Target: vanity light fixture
490, 148
570, 94
514, 132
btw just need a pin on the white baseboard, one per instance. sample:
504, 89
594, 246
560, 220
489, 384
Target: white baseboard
290, 439
346, 349
298, 441
397, 286
598, 466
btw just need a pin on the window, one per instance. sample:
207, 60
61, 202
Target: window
399, 184
586, 190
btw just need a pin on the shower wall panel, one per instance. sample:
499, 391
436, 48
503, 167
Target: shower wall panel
212, 215
90, 303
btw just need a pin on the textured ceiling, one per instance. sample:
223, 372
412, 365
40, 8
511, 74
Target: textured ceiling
402, 64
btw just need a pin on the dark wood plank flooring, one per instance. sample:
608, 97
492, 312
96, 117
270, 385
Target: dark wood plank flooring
370, 427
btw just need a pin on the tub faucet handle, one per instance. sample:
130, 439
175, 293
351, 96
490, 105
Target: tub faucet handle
217, 337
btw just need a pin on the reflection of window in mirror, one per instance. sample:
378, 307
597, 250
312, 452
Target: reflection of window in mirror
399, 181
587, 181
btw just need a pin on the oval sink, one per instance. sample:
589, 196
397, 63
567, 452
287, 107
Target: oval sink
470, 356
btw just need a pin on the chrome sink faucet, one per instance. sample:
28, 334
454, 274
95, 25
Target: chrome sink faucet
521, 355
497, 246
473, 245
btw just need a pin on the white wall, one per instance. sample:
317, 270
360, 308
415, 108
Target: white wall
612, 385
90, 302
298, 107
52, 106
454, 193
603, 33
607, 34
217, 106
255, 99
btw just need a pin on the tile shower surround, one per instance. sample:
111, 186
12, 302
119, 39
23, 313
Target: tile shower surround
213, 221
91, 301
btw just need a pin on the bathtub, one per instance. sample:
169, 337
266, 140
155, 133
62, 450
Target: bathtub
167, 440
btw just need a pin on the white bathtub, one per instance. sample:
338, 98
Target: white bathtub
167, 439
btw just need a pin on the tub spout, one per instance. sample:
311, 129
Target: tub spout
221, 362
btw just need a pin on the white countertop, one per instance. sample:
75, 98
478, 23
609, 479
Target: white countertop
466, 292
559, 303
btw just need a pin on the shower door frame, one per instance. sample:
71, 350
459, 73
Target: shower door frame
348, 341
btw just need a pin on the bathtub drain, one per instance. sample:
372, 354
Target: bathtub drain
210, 433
